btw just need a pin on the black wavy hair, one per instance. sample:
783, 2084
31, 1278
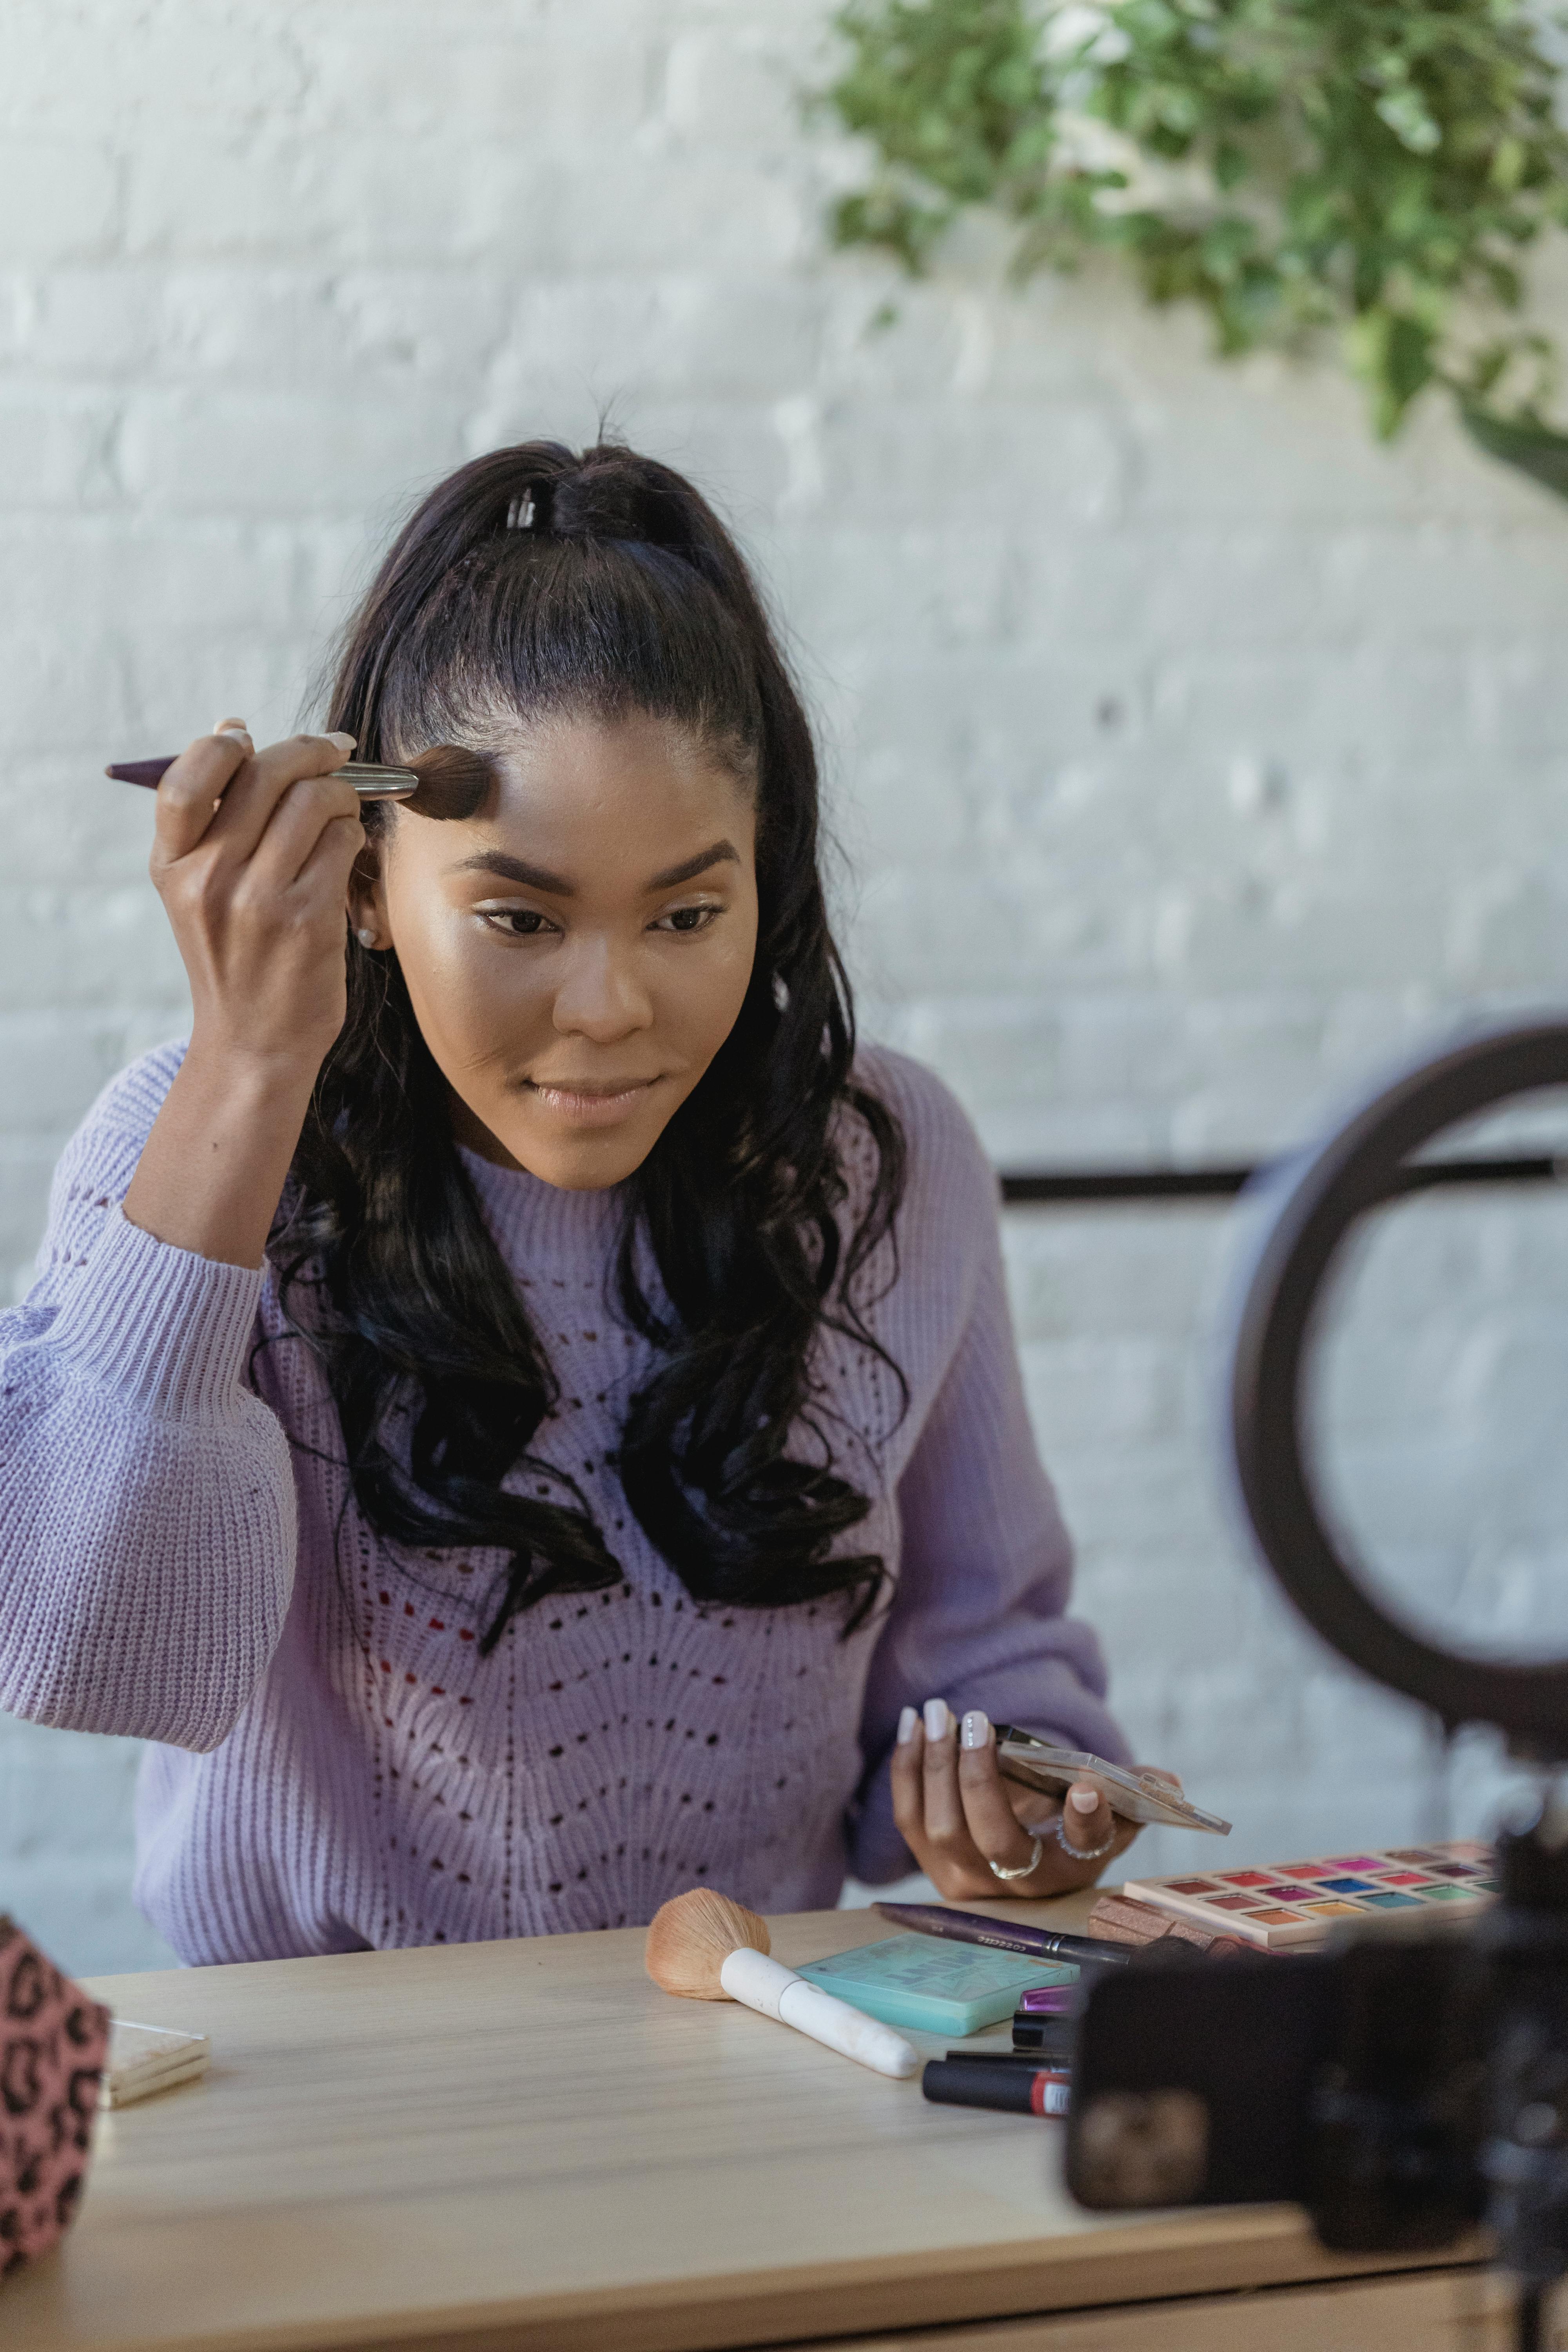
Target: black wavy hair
534, 581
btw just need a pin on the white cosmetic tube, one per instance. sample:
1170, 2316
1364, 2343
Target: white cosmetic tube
767, 1986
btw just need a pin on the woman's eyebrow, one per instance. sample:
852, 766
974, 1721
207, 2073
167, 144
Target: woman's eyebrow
516, 869
538, 877
722, 853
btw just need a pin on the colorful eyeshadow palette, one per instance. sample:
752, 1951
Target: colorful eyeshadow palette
1300, 1902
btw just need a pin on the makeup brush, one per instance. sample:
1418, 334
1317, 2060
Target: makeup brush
1005, 1935
370, 781
706, 1947
449, 780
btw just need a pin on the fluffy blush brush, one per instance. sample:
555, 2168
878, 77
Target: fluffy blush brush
706, 1947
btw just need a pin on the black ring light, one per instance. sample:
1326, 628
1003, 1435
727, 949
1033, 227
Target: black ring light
1365, 1163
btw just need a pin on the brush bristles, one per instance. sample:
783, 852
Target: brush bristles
692, 1936
454, 782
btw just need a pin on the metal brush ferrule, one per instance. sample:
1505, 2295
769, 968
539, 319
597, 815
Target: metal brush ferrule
377, 783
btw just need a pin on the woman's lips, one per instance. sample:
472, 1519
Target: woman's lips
590, 1106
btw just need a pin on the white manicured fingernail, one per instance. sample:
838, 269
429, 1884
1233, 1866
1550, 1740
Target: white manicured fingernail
344, 742
907, 1722
1084, 1800
233, 727
977, 1728
937, 1719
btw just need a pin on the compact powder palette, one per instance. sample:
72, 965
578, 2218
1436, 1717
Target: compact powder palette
1301, 1901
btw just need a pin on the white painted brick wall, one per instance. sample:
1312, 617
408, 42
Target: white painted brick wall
1189, 752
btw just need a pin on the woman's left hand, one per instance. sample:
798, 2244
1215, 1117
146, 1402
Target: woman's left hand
957, 1814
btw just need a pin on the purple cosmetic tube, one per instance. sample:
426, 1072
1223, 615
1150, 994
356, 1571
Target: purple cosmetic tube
1047, 2001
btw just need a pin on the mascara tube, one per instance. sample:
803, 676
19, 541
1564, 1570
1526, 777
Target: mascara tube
1011, 2090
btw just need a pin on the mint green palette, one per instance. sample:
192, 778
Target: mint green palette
934, 1985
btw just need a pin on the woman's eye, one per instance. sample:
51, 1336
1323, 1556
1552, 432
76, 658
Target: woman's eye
516, 922
689, 918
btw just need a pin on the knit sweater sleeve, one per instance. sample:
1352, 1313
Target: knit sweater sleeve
147, 1509
985, 1563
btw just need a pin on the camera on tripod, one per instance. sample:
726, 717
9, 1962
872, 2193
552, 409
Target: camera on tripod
1403, 2088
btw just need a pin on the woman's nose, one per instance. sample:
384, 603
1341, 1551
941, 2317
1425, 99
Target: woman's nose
599, 995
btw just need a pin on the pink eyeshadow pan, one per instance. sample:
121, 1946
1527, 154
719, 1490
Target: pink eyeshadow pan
1287, 1894
1232, 1902
1404, 1878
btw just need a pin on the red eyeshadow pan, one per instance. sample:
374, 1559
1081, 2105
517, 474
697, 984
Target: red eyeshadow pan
1306, 1870
1192, 1886
1232, 1902
1247, 1877
1404, 1878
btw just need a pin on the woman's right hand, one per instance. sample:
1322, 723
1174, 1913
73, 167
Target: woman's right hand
252, 858
963, 1821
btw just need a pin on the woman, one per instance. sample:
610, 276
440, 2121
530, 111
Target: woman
525, 1420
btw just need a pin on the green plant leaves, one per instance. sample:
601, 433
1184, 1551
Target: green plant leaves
1393, 356
1535, 448
1290, 165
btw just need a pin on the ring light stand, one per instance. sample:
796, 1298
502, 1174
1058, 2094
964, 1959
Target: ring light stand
1517, 1961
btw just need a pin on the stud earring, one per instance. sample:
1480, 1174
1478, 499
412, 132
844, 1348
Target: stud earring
367, 938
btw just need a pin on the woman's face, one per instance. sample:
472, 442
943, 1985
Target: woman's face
577, 951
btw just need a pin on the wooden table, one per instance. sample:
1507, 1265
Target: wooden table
526, 2146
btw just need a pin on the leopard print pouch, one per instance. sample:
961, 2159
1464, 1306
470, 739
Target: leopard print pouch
53, 2043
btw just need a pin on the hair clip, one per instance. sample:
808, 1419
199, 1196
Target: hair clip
520, 514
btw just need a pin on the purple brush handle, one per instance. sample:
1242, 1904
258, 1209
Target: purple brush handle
140, 772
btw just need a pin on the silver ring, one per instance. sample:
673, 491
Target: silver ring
1024, 1869
1083, 1853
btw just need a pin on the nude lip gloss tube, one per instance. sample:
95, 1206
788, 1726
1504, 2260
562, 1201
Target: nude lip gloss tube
1048, 2040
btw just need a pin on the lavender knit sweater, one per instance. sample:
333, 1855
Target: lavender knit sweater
333, 1764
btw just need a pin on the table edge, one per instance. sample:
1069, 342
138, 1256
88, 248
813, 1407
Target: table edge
1168, 2258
